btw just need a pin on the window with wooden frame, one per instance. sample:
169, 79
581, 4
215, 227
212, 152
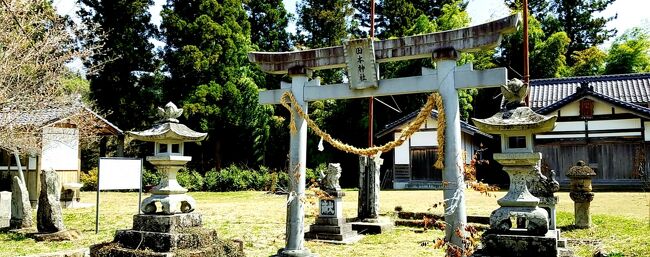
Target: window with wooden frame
586, 108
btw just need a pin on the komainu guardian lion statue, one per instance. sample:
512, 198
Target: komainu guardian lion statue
330, 179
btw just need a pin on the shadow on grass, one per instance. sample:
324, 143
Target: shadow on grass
13, 236
568, 228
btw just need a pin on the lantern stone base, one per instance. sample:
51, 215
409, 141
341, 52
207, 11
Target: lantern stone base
518, 243
175, 203
332, 230
373, 226
536, 219
166, 235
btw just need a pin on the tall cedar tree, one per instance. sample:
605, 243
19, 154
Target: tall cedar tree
576, 18
124, 84
269, 21
206, 54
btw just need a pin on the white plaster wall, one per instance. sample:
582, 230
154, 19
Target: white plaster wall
431, 123
615, 124
402, 152
600, 108
560, 136
424, 138
619, 134
32, 163
60, 149
647, 130
569, 126
571, 109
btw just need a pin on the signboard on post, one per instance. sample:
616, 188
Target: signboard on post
118, 174
360, 59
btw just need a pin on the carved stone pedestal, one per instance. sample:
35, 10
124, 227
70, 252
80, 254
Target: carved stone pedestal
330, 226
332, 230
166, 235
519, 244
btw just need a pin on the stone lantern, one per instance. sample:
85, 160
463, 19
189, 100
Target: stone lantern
516, 124
580, 193
176, 230
169, 137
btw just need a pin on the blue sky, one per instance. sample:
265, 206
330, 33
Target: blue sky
631, 13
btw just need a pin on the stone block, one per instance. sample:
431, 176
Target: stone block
331, 229
165, 242
330, 221
64, 235
521, 245
166, 223
377, 227
5, 208
217, 248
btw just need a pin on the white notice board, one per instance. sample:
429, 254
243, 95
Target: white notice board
116, 174
119, 173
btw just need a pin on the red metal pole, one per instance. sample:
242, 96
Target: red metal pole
371, 102
526, 68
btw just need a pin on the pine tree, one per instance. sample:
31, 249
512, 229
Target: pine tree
124, 83
206, 55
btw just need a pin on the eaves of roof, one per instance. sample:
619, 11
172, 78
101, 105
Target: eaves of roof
584, 91
464, 126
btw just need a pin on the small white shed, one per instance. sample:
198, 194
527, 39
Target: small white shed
413, 161
59, 145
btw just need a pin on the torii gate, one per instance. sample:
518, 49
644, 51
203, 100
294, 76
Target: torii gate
446, 79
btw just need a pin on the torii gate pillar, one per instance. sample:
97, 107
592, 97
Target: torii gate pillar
452, 174
295, 234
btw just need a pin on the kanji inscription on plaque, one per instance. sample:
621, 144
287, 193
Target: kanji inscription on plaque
360, 59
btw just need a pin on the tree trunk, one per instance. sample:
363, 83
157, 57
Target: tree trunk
217, 154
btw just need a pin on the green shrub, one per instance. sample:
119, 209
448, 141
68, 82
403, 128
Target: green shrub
150, 178
234, 178
89, 180
191, 180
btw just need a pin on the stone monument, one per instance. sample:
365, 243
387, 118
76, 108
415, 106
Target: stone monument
368, 220
580, 193
21, 208
173, 230
330, 225
516, 124
49, 219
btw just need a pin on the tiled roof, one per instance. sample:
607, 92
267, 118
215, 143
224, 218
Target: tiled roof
585, 90
47, 116
464, 126
630, 88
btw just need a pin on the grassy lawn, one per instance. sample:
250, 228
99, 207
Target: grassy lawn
620, 223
